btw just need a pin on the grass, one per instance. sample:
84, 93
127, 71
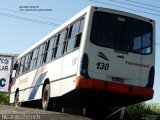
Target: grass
4, 98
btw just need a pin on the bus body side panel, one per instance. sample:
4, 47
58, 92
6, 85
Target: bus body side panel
11, 98
30, 84
72, 61
54, 88
23, 83
84, 39
54, 76
61, 73
147, 60
35, 89
69, 70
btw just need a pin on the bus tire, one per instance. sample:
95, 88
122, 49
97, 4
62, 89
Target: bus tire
17, 103
46, 97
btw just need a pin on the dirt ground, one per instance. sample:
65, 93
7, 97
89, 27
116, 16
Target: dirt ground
21, 113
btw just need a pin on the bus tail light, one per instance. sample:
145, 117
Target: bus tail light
151, 78
84, 65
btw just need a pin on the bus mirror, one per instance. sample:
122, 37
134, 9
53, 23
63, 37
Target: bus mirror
15, 66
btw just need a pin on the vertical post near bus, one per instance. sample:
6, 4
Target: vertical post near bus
6, 65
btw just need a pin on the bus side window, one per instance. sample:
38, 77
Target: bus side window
21, 65
40, 55
34, 58
75, 29
75, 35
45, 50
60, 43
70, 44
81, 26
78, 39
27, 61
50, 49
65, 41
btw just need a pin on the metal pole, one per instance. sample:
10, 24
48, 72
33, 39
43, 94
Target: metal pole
122, 113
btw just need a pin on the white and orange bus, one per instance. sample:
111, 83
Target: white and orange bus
100, 57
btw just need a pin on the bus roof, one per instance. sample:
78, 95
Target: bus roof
84, 11
57, 30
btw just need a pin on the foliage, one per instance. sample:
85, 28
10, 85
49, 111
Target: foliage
140, 110
4, 98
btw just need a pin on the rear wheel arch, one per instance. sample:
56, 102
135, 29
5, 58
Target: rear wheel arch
46, 95
46, 81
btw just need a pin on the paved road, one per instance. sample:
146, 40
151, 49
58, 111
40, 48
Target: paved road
14, 113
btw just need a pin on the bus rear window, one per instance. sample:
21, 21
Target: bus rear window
121, 33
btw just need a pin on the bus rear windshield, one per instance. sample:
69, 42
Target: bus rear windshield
121, 33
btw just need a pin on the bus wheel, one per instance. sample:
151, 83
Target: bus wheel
16, 100
45, 97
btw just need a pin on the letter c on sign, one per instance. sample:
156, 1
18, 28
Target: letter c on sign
2, 82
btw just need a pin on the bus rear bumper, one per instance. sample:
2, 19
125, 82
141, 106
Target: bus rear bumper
140, 93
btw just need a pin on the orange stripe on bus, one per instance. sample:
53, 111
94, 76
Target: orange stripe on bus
41, 70
89, 83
